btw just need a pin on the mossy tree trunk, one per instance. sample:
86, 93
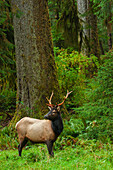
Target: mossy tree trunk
67, 24
94, 41
69, 21
36, 71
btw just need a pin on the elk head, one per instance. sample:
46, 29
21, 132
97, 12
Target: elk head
55, 109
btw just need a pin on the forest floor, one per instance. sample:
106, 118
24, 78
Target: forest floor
81, 157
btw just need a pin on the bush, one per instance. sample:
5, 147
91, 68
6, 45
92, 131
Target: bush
74, 70
7, 101
98, 109
8, 138
72, 129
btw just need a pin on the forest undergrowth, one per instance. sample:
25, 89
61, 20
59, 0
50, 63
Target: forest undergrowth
86, 141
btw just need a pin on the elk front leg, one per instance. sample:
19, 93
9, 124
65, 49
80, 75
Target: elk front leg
50, 148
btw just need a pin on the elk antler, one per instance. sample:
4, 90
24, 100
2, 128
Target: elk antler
65, 98
49, 100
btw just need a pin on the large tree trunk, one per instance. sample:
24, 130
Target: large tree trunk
36, 71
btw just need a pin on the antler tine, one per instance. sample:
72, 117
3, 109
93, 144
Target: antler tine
65, 97
49, 100
68, 94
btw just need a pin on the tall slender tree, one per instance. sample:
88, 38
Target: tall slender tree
94, 41
104, 12
36, 70
89, 33
84, 30
108, 22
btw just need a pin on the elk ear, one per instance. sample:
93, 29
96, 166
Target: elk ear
58, 108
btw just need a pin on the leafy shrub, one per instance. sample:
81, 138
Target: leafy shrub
98, 109
72, 129
7, 101
74, 70
7, 106
8, 138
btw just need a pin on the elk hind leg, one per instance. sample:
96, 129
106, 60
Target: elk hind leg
21, 145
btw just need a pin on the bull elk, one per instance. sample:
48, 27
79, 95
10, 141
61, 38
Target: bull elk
41, 131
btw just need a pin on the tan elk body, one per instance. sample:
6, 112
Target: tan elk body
41, 131
35, 130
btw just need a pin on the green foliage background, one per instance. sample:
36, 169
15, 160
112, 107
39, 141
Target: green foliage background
98, 108
74, 71
90, 106
7, 54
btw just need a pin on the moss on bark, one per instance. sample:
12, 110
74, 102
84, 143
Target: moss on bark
36, 70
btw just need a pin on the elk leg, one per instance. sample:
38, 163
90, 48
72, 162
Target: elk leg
21, 145
19, 149
50, 147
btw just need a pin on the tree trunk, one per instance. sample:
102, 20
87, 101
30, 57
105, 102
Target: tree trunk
67, 25
94, 42
109, 27
89, 43
101, 47
36, 71
84, 31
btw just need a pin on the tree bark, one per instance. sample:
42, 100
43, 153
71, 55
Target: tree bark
36, 70
109, 27
89, 43
67, 26
94, 42
84, 31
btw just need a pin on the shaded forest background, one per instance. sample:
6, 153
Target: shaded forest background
82, 38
